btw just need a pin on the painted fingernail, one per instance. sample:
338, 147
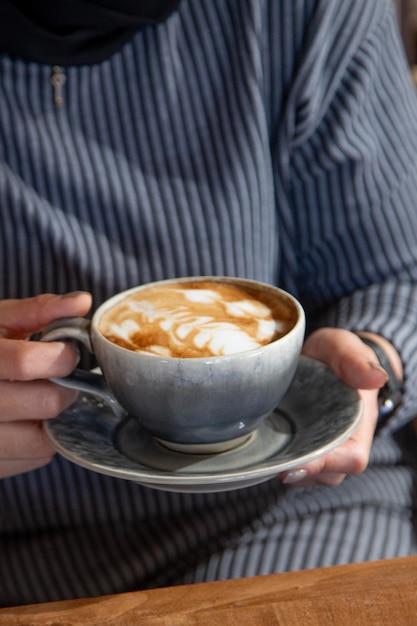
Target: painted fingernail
294, 476
379, 368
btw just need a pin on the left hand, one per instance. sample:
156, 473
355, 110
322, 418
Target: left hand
356, 364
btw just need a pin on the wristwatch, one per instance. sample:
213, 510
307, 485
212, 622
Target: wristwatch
390, 395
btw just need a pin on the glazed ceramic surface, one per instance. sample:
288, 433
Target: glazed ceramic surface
317, 413
191, 401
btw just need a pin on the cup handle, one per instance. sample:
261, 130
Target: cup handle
78, 329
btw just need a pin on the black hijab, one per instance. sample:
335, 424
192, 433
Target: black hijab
74, 32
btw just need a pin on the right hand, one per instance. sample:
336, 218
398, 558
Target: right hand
26, 396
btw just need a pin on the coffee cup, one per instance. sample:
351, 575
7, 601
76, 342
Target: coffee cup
200, 362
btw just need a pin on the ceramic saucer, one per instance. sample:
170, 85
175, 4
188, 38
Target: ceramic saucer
317, 413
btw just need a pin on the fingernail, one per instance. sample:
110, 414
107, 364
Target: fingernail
294, 476
72, 294
378, 366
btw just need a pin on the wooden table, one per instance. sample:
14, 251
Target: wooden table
380, 593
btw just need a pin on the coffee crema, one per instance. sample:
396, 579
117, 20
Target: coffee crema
197, 319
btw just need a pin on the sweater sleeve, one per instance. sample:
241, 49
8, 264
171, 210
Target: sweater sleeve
345, 152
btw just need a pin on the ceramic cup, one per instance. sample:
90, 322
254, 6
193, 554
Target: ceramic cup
193, 403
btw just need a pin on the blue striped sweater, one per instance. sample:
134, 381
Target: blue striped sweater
272, 139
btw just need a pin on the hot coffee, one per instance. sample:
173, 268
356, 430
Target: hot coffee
199, 405
197, 319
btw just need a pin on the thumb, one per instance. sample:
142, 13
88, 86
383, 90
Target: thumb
21, 318
354, 362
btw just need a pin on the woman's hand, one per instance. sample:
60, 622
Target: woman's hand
356, 364
26, 396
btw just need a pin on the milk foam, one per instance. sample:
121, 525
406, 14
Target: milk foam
193, 320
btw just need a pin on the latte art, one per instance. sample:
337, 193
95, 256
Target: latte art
200, 319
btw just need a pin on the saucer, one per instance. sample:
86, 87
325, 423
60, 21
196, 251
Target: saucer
317, 413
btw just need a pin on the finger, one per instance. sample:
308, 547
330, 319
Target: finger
33, 400
23, 441
29, 360
298, 478
20, 318
14, 468
351, 457
351, 360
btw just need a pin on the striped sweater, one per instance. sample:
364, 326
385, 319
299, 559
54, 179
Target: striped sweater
271, 139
